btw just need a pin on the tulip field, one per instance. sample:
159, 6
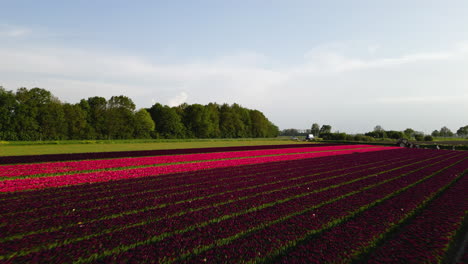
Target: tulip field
301, 203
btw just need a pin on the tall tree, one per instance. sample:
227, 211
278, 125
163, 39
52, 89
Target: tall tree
75, 119
30, 103
462, 131
445, 132
144, 124
97, 116
8, 106
168, 122
120, 118
409, 132
315, 130
325, 129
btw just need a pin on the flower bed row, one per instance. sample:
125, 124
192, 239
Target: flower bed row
140, 153
288, 199
112, 188
133, 190
70, 166
250, 245
227, 183
371, 226
204, 195
61, 180
443, 218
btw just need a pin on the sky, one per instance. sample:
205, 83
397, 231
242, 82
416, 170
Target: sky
349, 64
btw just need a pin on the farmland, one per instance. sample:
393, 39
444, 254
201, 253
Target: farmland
301, 203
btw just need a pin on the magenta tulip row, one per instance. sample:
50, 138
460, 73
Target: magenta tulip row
80, 178
71, 166
216, 217
142, 153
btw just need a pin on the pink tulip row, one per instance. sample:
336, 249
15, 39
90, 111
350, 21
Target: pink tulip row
444, 217
95, 227
70, 166
80, 178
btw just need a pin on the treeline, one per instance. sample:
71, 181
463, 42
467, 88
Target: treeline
378, 133
35, 114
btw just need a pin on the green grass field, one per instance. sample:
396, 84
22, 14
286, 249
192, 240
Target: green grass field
58, 147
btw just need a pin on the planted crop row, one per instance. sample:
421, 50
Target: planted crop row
366, 229
181, 220
289, 227
140, 153
112, 188
427, 237
55, 181
266, 174
204, 196
100, 164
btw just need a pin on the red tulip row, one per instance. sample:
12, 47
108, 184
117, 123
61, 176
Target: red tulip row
71, 166
56, 181
218, 217
442, 218
247, 197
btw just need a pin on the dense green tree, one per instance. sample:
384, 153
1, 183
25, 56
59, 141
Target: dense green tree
120, 119
8, 106
168, 122
260, 125
325, 129
409, 132
462, 131
144, 124
315, 129
435, 133
96, 116
196, 121
230, 123
445, 132
76, 123
51, 119
30, 104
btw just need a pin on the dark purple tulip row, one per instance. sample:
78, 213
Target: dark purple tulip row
140, 153
286, 234
92, 228
427, 237
347, 242
157, 211
172, 237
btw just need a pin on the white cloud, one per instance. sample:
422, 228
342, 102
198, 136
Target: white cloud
327, 85
178, 99
13, 31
